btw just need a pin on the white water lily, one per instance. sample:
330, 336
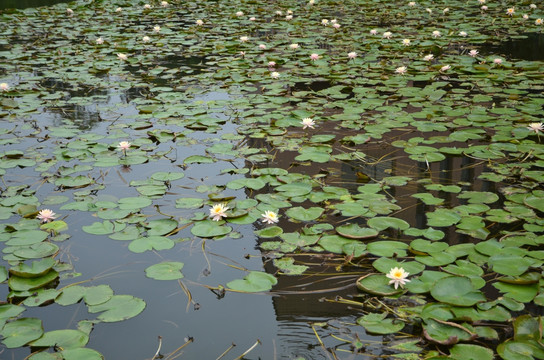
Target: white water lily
270, 217
536, 127
398, 277
46, 216
308, 123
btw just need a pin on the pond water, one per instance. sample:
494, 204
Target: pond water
374, 155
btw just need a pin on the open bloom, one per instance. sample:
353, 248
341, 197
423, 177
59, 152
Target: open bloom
536, 127
406, 42
445, 11
325, 22
436, 34
428, 57
532, 6
124, 145
398, 277
253, 18
293, 46
387, 34
445, 68
147, 6
314, 57
46, 215
157, 29
473, 53
481, 2
352, 55
99, 41
279, 12
119, 9
199, 22
429, 10
4, 87
401, 70
164, 3
218, 211
497, 61
262, 46
122, 56
412, 3
239, 13
272, 64
510, 11
308, 123
69, 12
146, 39
289, 17
539, 21
484, 7
463, 33
244, 38
269, 217
275, 75
373, 32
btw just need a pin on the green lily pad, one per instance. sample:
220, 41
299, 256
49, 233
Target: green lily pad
387, 248
302, 214
189, 203
21, 331
287, 266
36, 269
118, 308
354, 231
161, 226
255, 281
170, 270
384, 265
64, 339
134, 203
382, 223
209, 229
149, 243
92, 295
377, 285
457, 291
24, 284
269, 232
378, 324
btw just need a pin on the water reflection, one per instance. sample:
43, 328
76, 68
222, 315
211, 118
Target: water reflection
23, 4
530, 47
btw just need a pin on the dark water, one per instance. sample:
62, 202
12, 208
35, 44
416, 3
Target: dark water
23, 4
531, 47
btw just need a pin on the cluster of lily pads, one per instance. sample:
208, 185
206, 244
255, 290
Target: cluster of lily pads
332, 108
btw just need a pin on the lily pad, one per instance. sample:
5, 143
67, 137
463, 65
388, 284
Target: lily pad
379, 324
170, 270
255, 281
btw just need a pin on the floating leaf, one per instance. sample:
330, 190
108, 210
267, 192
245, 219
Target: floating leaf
118, 308
21, 331
302, 214
170, 270
354, 231
382, 223
377, 285
209, 229
255, 281
378, 324
64, 339
457, 291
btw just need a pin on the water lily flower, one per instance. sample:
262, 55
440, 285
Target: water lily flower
99, 41
289, 17
429, 11
473, 53
497, 61
398, 277
436, 34
484, 7
406, 42
124, 146
262, 46
243, 54
272, 64
412, 3
352, 55
532, 6
307, 123
428, 57
445, 11
164, 3
269, 217
373, 32
146, 39
481, 2
401, 70
46, 215
387, 34
218, 211
539, 21
536, 127
69, 12
293, 46
445, 68
510, 11
325, 22
4, 87
253, 18
314, 57
275, 75
334, 21
147, 6
525, 17
239, 13
279, 13
157, 29
122, 56
463, 33
311, 2
289, 12
199, 22
336, 26
244, 39
119, 9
